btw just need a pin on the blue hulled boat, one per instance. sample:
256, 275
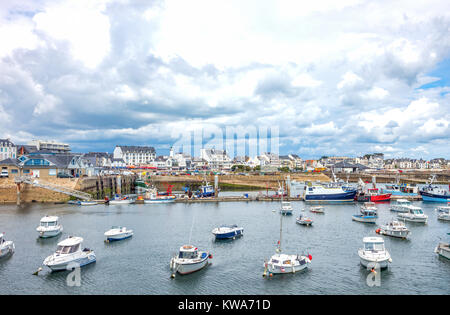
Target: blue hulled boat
321, 193
434, 193
228, 231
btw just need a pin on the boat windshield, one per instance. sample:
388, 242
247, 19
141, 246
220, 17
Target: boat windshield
188, 255
418, 211
67, 249
374, 246
45, 224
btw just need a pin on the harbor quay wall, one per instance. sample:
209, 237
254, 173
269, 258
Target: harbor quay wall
97, 186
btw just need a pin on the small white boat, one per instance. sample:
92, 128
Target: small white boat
400, 205
395, 229
189, 260
160, 199
117, 233
87, 203
317, 209
366, 216
443, 249
443, 213
304, 220
374, 252
414, 214
284, 263
69, 254
49, 227
227, 231
118, 200
286, 208
6, 247
369, 206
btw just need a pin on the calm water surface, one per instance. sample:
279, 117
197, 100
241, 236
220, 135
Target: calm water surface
140, 265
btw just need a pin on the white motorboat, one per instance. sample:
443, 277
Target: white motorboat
304, 220
87, 203
6, 247
227, 231
366, 216
443, 249
118, 200
317, 209
49, 227
414, 214
374, 252
69, 255
117, 233
189, 260
443, 213
401, 205
286, 208
394, 228
285, 263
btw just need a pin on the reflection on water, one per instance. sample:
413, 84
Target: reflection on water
140, 265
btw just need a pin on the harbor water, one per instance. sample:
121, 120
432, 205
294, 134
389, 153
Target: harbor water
140, 265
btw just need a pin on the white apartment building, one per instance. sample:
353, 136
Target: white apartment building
217, 159
134, 155
7, 149
50, 146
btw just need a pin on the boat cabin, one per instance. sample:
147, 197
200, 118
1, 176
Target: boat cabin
69, 246
414, 210
49, 221
373, 244
188, 252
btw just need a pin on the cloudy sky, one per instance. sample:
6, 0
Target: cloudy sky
344, 77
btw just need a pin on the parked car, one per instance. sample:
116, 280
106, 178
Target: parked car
64, 175
4, 173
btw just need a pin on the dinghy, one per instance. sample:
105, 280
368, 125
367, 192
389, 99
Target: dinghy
117, 233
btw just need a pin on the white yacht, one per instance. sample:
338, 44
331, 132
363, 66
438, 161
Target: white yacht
414, 214
395, 229
374, 252
189, 260
286, 208
69, 253
117, 233
285, 263
49, 227
443, 213
6, 247
401, 205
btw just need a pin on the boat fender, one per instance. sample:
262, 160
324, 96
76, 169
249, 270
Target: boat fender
310, 257
378, 231
210, 256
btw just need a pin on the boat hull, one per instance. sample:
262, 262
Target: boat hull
412, 219
50, 233
187, 268
232, 234
275, 269
302, 222
381, 197
162, 200
397, 234
6, 249
81, 261
120, 202
364, 219
119, 237
382, 263
443, 250
348, 196
426, 196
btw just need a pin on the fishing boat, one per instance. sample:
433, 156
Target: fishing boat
286, 208
371, 194
152, 197
317, 209
189, 260
205, 190
323, 193
434, 193
374, 252
6, 247
443, 213
302, 220
366, 216
443, 249
117, 233
395, 229
414, 214
284, 263
401, 205
401, 190
49, 226
227, 231
69, 254
119, 200
377, 196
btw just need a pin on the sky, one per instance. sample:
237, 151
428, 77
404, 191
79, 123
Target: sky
346, 77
